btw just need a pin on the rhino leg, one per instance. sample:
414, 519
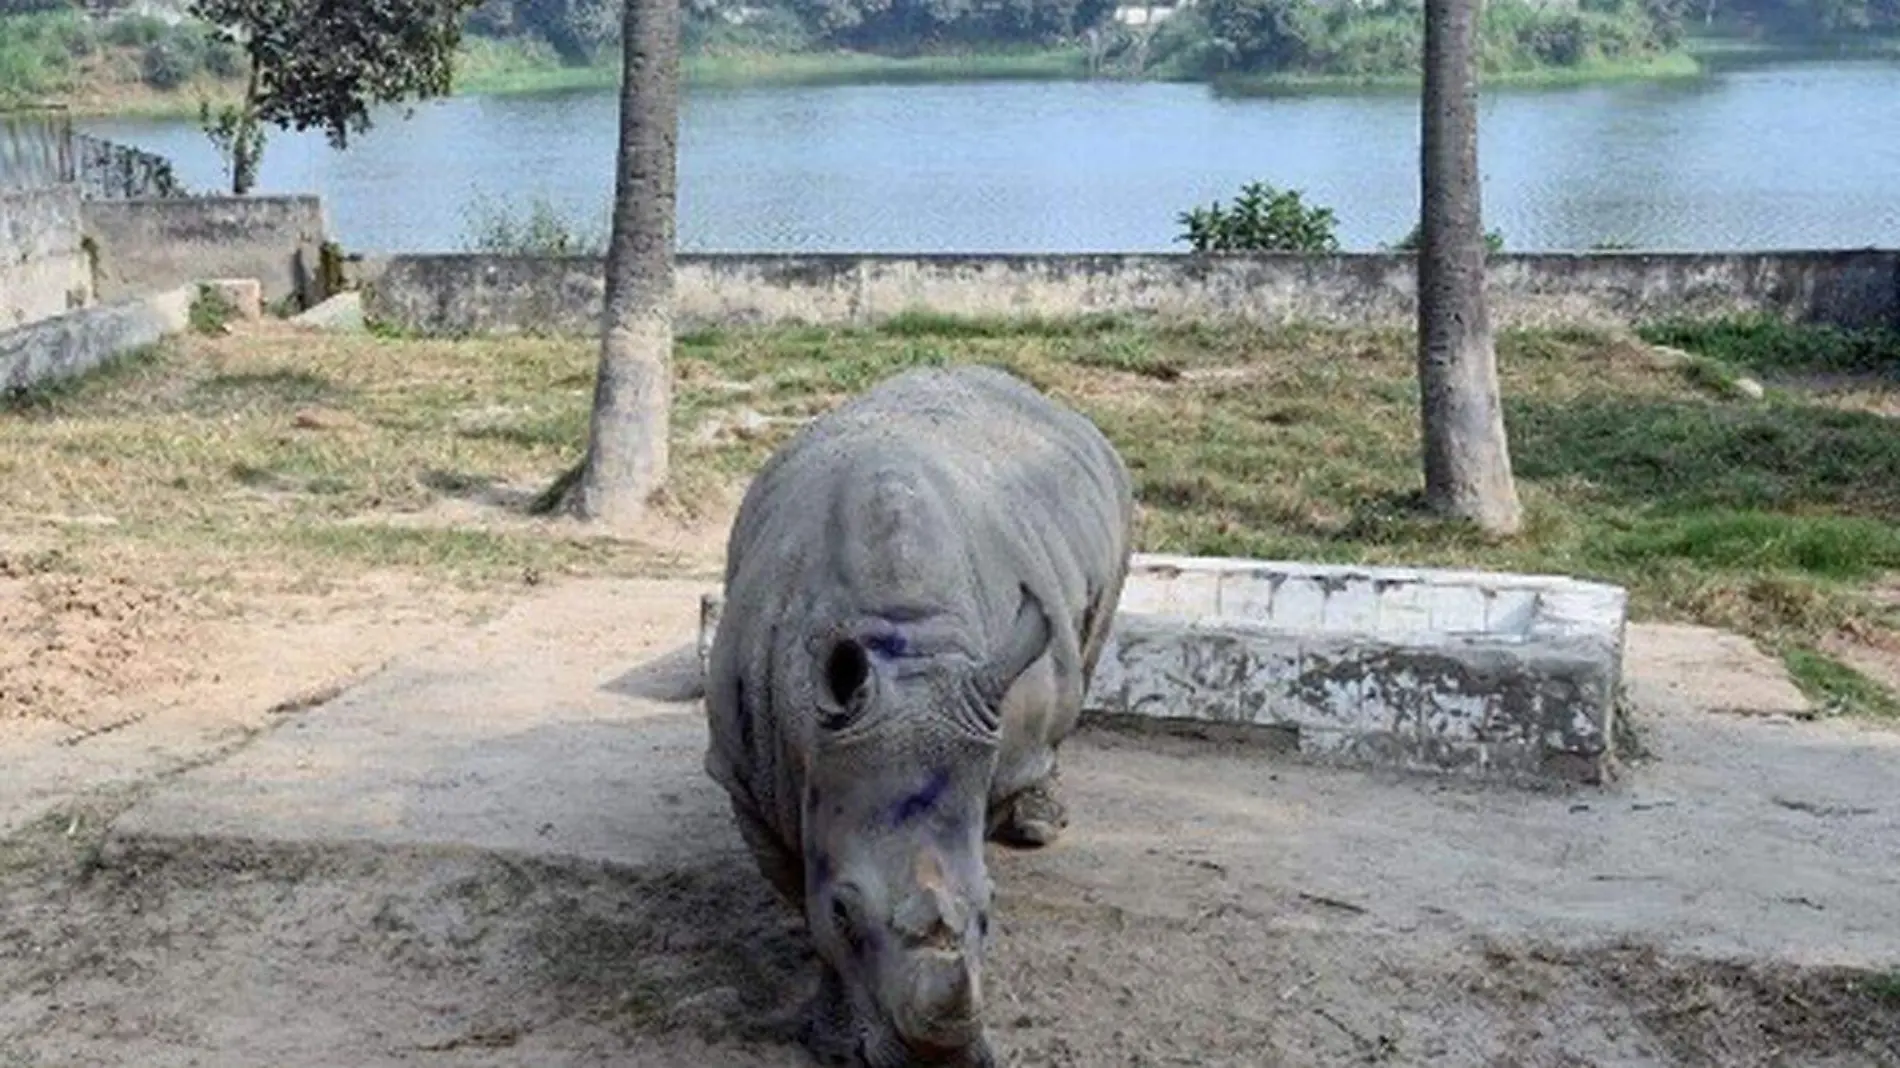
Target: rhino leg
785, 874
1031, 818
1024, 810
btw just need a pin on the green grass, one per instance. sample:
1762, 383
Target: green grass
1732, 49
1842, 690
493, 68
1769, 517
1670, 66
1767, 345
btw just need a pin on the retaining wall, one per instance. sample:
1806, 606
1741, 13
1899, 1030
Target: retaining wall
457, 294
71, 344
43, 267
146, 246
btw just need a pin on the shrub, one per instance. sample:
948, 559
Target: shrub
1263, 219
135, 31
223, 58
37, 51
543, 230
1493, 240
167, 65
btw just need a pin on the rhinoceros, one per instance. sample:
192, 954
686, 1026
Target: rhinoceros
917, 590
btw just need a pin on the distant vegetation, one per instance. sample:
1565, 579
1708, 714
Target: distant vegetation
539, 229
1265, 219
54, 49
1493, 240
1383, 39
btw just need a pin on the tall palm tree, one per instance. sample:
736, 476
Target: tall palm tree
1467, 457
627, 454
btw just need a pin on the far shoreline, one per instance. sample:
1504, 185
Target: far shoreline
492, 75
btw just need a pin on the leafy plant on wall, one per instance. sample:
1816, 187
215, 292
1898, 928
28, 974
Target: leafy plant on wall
1262, 219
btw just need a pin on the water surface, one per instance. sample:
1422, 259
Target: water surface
1795, 155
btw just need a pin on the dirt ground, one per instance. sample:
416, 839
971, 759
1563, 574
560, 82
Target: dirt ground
1728, 904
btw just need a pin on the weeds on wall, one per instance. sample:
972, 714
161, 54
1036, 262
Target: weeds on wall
538, 228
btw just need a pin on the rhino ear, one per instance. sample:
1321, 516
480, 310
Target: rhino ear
1028, 639
846, 685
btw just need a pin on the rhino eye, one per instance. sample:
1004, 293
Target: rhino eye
847, 669
844, 919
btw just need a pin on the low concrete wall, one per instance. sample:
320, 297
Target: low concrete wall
474, 294
69, 345
1508, 676
145, 246
43, 268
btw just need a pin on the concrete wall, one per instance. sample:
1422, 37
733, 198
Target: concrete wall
145, 246
69, 345
460, 294
43, 268
1483, 673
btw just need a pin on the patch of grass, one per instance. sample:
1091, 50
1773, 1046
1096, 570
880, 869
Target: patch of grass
493, 67
1886, 987
1765, 344
1668, 66
280, 388
924, 323
1765, 517
1678, 453
846, 68
1842, 548
543, 430
1841, 689
541, 228
480, 553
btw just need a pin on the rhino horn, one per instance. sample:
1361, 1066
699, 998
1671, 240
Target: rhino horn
930, 917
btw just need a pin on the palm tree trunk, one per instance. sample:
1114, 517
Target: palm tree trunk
1467, 458
627, 441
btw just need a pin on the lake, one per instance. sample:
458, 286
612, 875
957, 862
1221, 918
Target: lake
1786, 156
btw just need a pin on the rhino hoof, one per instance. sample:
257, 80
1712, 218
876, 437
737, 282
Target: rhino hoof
1032, 819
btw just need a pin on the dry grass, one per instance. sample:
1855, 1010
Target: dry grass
282, 451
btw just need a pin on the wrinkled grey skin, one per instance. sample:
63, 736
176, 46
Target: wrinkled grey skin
918, 586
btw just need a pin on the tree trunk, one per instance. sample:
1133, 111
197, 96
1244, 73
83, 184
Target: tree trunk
247, 141
1467, 460
627, 440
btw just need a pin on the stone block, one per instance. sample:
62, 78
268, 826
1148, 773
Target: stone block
1461, 672
1403, 609
244, 296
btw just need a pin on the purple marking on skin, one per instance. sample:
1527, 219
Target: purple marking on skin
889, 645
923, 800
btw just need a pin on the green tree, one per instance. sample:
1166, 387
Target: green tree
1264, 35
323, 64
